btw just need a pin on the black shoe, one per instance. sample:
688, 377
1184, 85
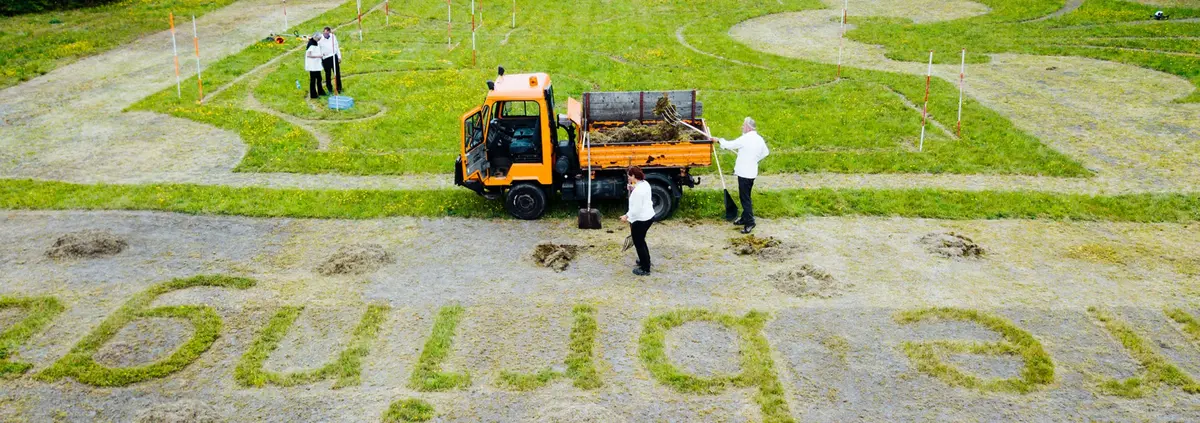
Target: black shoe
641, 272
748, 228
738, 222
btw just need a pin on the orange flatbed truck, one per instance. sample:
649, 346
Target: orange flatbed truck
511, 147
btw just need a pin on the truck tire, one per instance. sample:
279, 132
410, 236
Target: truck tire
525, 201
664, 202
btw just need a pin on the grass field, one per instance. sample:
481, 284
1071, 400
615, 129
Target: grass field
38, 43
1115, 30
411, 89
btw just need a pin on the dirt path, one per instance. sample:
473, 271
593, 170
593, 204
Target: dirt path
839, 358
1067, 8
1135, 137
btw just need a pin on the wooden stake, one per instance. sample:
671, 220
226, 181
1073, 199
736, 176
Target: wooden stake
842, 38
962, 76
175, 51
199, 81
925, 109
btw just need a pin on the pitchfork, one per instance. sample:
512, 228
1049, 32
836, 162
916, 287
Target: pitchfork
671, 115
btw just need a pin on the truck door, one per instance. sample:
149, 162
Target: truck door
474, 147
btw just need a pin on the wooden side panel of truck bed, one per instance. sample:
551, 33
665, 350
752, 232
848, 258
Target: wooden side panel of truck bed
675, 154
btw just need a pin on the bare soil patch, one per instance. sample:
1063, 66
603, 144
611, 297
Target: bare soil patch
555, 256
577, 413
144, 341
356, 259
185, 411
808, 281
87, 244
951, 245
704, 349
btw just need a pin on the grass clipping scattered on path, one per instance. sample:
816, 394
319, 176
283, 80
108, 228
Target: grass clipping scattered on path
356, 259
86, 244
189, 411
951, 245
555, 256
808, 281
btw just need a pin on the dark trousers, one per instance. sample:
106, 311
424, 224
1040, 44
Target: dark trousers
745, 186
314, 84
328, 64
638, 230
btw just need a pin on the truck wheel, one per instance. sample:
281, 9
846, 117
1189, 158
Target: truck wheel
525, 201
664, 202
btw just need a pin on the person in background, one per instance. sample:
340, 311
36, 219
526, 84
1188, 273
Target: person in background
312, 64
751, 149
331, 59
639, 217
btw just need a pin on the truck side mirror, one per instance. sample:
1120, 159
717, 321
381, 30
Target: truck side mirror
501, 70
491, 86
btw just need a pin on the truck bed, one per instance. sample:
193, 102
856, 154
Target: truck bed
610, 109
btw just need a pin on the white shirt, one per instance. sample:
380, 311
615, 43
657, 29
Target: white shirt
750, 148
330, 47
313, 63
641, 205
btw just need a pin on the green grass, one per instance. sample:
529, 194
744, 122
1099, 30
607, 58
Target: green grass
409, 410
34, 45
1099, 29
581, 367
1190, 325
697, 204
758, 369
346, 369
1156, 369
857, 125
39, 311
930, 357
206, 324
428, 376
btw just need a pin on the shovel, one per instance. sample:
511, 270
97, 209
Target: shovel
589, 218
672, 117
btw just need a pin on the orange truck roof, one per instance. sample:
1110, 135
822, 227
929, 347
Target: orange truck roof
521, 85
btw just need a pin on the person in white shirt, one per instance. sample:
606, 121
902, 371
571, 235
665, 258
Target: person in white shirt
639, 217
751, 149
331, 59
312, 64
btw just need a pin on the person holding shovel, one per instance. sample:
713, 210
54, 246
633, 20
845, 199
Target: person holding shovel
639, 217
331, 59
750, 149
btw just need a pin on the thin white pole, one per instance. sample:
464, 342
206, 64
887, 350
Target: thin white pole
175, 51
285, 21
962, 76
514, 18
925, 109
387, 13
448, 37
842, 38
199, 81
360, 20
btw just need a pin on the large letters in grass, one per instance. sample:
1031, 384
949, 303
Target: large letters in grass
39, 311
1156, 369
758, 370
930, 357
580, 365
347, 368
428, 375
80, 365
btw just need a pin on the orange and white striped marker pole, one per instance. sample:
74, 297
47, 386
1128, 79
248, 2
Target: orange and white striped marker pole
925, 109
387, 13
962, 77
473, 54
285, 21
842, 38
196, 42
175, 51
514, 20
360, 20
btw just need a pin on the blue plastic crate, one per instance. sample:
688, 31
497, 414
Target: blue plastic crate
340, 102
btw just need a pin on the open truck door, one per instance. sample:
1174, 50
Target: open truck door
474, 149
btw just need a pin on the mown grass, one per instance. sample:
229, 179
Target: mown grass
930, 357
427, 375
857, 125
206, 324
1099, 29
409, 411
758, 369
36, 44
1156, 369
346, 369
580, 365
1190, 325
696, 204
39, 311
